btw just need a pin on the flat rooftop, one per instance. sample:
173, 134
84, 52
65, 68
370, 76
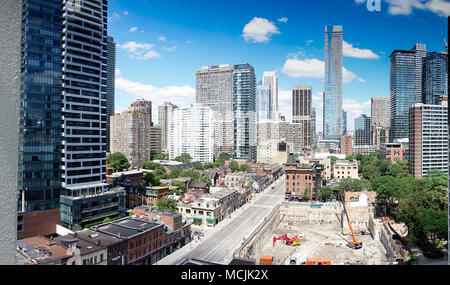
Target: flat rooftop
128, 227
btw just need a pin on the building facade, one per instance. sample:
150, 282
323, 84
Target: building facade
164, 122
362, 130
214, 89
110, 95
270, 79
332, 107
380, 111
244, 112
435, 77
394, 152
191, 131
263, 102
428, 139
301, 111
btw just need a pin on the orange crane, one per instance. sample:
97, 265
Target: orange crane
354, 243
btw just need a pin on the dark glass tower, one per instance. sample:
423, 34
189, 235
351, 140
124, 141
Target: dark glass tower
435, 77
40, 117
110, 94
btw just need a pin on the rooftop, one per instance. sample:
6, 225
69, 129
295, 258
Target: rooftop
84, 246
128, 227
41, 250
131, 172
93, 236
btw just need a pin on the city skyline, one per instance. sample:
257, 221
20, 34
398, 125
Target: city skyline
151, 48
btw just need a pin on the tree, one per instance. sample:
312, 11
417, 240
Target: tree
204, 179
158, 168
194, 174
117, 161
434, 225
184, 158
160, 156
106, 220
398, 170
325, 193
175, 173
245, 168
166, 204
234, 166
307, 193
333, 160
181, 186
151, 179
370, 171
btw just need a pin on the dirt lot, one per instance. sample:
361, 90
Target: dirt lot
314, 245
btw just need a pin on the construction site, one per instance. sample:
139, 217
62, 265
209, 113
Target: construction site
308, 233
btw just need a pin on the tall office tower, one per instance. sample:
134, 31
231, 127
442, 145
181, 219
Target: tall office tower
301, 112
164, 122
214, 89
270, 78
332, 123
40, 140
263, 102
428, 139
435, 77
362, 130
420, 54
191, 132
110, 87
313, 126
405, 87
130, 132
344, 122
380, 111
155, 140
10, 57
244, 112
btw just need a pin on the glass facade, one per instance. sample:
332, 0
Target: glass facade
402, 85
244, 112
435, 82
332, 123
40, 117
263, 104
362, 130
110, 95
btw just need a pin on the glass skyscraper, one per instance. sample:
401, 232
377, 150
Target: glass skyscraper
244, 112
40, 153
404, 83
332, 123
263, 102
362, 130
435, 77
110, 95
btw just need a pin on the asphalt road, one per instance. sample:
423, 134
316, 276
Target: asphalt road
220, 242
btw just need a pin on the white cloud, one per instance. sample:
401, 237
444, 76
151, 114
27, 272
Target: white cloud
313, 68
351, 51
141, 51
354, 109
178, 95
114, 16
170, 49
283, 20
126, 13
189, 42
162, 39
118, 72
259, 30
406, 7
133, 29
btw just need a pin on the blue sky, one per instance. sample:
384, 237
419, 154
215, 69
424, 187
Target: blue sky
162, 43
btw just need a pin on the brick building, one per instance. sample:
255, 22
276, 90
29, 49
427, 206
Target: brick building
302, 179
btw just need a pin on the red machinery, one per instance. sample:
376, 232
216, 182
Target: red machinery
289, 241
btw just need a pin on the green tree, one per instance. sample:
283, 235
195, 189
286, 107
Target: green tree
106, 220
150, 178
325, 193
370, 171
194, 174
433, 225
166, 204
245, 168
333, 159
234, 166
184, 158
175, 173
398, 170
204, 179
307, 193
181, 186
117, 161
158, 168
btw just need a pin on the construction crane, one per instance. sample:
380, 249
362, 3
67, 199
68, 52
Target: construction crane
354, 243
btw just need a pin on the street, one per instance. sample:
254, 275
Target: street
220, 242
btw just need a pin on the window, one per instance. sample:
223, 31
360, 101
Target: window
101, 257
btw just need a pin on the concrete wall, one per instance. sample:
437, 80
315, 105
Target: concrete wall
10, 19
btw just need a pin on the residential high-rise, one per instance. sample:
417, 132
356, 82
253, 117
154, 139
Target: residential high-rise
244, 112
362, 130
380, 111
164, 122
332, 122
40, 140
380, 135
214, 89
405, 87
346, 145
428, 139
344, 122
313, 126
155, 140
435, 77
270, 78
301, 112
191, 132
130, 132
110, 87
263, 102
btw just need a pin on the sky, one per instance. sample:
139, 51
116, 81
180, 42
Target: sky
162, 43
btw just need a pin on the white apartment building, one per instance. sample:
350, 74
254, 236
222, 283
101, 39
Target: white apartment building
191, 131
345, 169
270, 78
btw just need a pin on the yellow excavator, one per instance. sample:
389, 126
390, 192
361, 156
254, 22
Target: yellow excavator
354, 243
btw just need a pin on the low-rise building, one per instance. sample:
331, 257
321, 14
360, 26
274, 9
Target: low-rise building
303, 181
200, 187
345, 169
364, 149
393, 152
85, 252
39, 250
132, 176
